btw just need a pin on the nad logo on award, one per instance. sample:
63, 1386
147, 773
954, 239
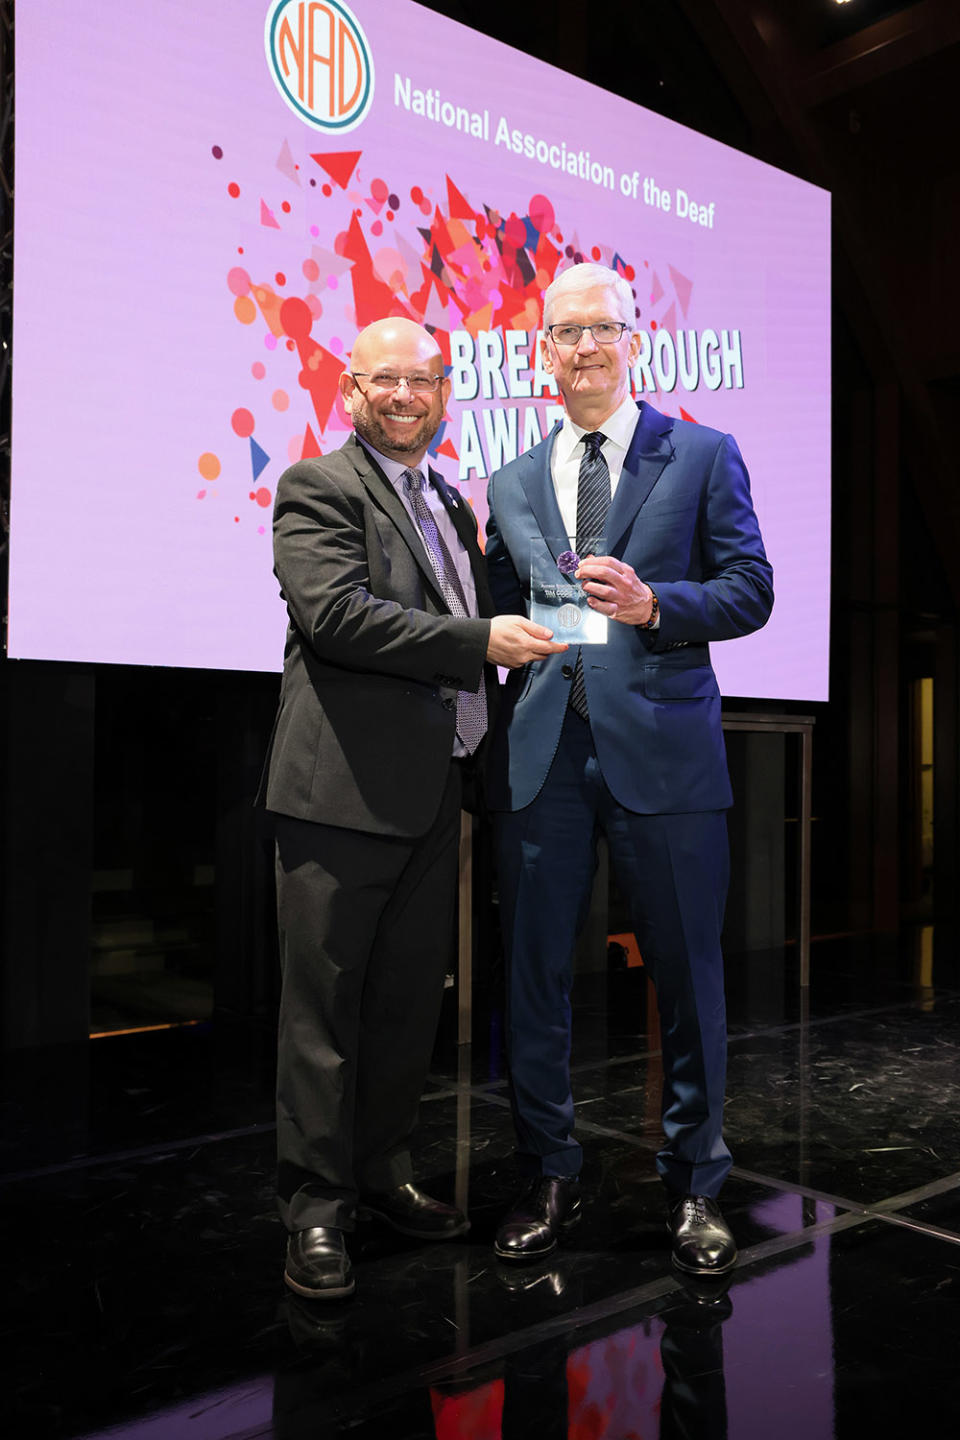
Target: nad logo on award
320, 61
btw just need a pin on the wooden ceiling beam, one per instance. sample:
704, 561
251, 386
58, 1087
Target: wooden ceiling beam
877, 50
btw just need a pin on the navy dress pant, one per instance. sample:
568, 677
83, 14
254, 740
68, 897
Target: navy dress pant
673, 871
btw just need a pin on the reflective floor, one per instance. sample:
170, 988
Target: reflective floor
142, 1291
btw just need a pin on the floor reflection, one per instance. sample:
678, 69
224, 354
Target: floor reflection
142, 1291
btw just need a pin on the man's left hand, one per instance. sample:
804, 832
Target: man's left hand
615, 589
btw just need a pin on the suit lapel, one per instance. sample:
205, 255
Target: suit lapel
650, 450
537, 481
383, 493
465, 524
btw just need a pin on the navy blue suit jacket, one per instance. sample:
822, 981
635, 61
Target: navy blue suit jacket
683, 518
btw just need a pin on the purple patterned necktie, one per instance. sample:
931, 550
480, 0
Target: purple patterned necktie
471, 705
593, 502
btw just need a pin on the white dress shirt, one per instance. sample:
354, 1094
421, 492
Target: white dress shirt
568, 451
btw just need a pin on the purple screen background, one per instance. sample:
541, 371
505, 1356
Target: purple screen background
169, 208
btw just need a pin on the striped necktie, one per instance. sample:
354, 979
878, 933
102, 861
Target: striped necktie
593, 502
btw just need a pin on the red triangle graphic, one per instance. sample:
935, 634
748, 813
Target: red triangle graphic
310, 446
339, 165
459, 208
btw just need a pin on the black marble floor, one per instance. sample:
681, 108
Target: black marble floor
142, 1293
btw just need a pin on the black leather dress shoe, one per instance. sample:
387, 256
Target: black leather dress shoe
546, 1208
318, 1265
702, 1241
408, 1211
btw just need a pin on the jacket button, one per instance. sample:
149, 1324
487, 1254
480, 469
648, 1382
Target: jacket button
567, 672
449, 703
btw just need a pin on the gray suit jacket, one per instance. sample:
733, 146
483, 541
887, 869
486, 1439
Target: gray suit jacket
373, 658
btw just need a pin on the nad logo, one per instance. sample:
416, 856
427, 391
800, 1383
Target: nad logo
320, 61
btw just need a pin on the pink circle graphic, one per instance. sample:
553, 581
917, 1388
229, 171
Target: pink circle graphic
238, 280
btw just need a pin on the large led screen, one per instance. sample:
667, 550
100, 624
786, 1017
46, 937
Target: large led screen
212, 198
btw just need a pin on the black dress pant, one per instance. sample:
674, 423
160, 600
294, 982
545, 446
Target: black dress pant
366, 926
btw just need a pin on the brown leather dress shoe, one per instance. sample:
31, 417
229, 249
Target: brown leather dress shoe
408, 1211
318, 1265
702, 1240
546, 1208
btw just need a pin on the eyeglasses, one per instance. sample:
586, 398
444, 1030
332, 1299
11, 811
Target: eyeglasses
606, 332
383, 380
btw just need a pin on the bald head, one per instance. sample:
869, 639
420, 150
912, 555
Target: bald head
384, 336
391, 406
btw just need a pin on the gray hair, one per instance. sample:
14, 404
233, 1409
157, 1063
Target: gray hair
588, 276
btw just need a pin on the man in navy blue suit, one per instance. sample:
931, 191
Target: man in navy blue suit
623, 737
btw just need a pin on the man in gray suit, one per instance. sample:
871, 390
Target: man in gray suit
388, 679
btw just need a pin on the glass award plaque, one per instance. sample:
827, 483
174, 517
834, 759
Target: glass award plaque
557, 599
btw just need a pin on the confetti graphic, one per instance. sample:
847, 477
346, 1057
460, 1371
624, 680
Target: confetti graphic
371, 241
476, 269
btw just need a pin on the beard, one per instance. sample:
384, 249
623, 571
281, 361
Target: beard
414, 439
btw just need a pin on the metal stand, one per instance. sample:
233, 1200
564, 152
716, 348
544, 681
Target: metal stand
465, 945
801, 725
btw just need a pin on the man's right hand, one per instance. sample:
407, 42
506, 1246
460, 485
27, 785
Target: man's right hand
515, 640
